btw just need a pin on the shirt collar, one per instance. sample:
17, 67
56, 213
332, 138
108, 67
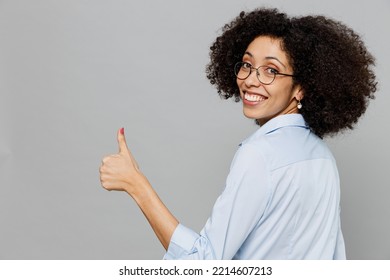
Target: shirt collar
277, 123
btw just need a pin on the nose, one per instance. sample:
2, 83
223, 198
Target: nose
252, 79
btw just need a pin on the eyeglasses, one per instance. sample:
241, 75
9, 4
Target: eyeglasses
265, 74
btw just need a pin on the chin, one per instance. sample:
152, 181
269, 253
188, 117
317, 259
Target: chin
251, 115
259, 120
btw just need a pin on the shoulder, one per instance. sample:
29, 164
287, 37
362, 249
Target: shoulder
248, 154
286, 145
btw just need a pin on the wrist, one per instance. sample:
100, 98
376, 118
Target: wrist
141, 191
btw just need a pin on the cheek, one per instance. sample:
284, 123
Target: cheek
281, 92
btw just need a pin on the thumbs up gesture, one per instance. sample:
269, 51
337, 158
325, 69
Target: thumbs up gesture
120, 172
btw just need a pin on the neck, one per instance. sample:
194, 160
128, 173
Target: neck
290, 109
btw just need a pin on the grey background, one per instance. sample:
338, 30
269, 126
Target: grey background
73, 72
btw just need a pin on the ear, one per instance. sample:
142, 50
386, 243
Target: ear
298, 92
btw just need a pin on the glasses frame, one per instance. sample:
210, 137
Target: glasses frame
239, 64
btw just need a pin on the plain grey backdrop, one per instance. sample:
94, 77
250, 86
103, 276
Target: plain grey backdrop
72, 72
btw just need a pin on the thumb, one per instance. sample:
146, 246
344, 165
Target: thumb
123, 149
122, 141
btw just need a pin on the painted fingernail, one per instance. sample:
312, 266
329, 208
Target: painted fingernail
122, 130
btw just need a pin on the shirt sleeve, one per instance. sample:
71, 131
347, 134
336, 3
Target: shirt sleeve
235, 214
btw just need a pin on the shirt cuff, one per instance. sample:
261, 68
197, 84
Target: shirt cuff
182, 243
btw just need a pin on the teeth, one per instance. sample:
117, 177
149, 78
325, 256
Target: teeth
253, 97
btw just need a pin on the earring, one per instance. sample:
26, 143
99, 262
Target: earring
299, 106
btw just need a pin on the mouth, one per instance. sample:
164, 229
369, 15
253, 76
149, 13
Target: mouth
253, 99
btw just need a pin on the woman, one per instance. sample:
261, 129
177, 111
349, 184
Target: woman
300, 79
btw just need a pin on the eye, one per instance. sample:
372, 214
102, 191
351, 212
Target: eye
271, 71
246, 65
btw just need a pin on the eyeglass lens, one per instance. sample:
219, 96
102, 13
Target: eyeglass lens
265, 75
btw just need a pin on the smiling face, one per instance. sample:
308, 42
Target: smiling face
264, 102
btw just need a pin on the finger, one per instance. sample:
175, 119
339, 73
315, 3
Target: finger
105, 160
122, 141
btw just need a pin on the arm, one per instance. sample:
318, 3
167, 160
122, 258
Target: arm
120, 172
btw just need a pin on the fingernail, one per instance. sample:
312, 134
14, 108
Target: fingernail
122, 130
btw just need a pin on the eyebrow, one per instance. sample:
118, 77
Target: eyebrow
267, 57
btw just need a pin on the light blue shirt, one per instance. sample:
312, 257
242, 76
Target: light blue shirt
281, 201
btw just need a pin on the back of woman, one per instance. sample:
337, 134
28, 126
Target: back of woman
302, 185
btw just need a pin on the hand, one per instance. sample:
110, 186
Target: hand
120, 172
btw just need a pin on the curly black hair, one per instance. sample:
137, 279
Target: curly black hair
329, 61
